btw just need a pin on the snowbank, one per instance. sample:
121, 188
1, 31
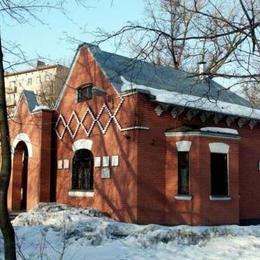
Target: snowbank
40, 107
53, 231
53, 214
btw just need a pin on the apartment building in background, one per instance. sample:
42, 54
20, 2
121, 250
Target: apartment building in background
44, 80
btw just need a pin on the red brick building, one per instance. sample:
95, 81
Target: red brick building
143, 143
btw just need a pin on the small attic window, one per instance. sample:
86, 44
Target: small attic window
84, 93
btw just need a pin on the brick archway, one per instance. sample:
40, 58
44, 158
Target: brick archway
20, 177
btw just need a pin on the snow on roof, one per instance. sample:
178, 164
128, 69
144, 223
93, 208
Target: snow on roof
40, 107
204, 103
220, 130
171, 86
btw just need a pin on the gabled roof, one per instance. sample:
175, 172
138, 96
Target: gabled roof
170, 86
120, 69
32, 102
31, 99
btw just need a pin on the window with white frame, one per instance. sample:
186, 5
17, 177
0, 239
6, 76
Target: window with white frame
183, 148
219, 169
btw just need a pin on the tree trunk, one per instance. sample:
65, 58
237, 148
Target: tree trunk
5, 173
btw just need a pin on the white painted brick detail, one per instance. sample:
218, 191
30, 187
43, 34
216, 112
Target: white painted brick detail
97, 161
115, 160
66, 164
60, 164
105, 161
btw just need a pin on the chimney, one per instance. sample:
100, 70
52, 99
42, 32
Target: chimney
201, 69
40, 63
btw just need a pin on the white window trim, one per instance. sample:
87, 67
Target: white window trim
219, 148
77, 193
183, 197
211, 197
183, 146
26, 139
82, 144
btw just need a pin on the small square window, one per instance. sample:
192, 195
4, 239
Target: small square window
29, 82
84, 93
12, 84
11, 88
38, 79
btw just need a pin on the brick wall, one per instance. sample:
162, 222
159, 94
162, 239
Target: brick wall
143, 186
117, 195
38, 127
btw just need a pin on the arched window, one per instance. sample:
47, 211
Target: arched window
20, 177
82, 171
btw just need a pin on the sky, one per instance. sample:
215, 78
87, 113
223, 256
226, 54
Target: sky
57, 39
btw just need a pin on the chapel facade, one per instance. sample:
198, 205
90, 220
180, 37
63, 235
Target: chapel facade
143, 143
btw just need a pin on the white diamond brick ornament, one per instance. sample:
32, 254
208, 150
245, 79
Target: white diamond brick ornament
73, 131
63, 123
74, 128
88, 129
104, 109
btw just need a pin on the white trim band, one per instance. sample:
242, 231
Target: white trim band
219, 198
183, 197
76, 193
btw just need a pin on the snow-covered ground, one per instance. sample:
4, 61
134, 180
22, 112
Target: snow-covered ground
52, 231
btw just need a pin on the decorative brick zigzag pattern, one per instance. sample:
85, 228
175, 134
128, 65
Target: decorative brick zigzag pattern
73, 130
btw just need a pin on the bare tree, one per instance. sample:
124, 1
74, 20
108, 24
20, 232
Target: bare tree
181, 33
5, 225
20, 11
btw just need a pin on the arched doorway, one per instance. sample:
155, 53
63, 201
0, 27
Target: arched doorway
82, 171
20, 177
